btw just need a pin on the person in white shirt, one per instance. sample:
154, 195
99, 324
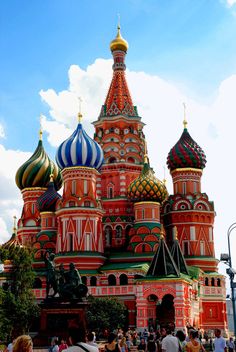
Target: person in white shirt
170, 343
77, 338
219, 342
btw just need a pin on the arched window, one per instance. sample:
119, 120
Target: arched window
218, 282
123, 279
130, 160
111, 280
206, 281
212, 281
84, 280
112, 160
93, 281
110, 191
37, 283
108, 236
73, 188
118, 231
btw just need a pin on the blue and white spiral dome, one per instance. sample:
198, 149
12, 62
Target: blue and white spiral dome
79, 150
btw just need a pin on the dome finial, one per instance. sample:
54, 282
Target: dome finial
80, 114
145, 157
185, 121
51, 173
14, 224
41, 129
118, 25
164, 172
119, 43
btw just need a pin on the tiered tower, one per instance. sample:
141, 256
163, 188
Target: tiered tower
147, 193
188, 208
79, 213
119, 132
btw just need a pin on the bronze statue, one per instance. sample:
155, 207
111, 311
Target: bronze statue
51, 280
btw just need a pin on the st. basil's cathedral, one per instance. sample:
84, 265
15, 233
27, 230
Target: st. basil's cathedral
116, 221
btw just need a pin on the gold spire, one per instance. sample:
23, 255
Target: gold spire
14, 224
41, 130
145, 157
185, 121
164, 179
80, 114
119, 43
51, 173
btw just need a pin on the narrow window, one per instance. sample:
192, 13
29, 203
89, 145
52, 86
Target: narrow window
73, 188
70, 242
210, 234
184, 187
85, 187
192, 233
186, 247
202, 248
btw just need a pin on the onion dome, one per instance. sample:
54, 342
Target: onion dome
147, 187
79, 150
36, 171
47, 201
119, 43
14, 240
186, 153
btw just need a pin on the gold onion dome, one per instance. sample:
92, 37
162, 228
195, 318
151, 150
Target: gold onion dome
147, 187
36, 171
119, 43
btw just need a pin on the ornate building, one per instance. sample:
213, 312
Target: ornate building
116, 221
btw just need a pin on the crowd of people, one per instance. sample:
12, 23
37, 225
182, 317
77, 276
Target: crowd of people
162, 340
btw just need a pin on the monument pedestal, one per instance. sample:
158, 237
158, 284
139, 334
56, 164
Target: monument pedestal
57, 317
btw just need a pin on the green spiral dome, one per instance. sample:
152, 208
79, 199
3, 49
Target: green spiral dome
147, 187
36, 171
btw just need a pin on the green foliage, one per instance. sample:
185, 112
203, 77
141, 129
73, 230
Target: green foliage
18, 306
106, 313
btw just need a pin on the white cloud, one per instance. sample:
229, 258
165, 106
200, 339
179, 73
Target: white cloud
10, 202
231, 2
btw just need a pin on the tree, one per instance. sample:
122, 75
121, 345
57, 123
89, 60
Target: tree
18, 306
106, 313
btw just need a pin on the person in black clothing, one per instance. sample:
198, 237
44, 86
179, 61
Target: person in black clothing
142, 346
112, 345
151, 345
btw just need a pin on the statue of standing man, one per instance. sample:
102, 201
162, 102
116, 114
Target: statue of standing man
51, 280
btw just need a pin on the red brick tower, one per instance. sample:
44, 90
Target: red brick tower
188, 208
119, 132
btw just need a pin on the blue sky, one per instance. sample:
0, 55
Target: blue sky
189, 42
179, 50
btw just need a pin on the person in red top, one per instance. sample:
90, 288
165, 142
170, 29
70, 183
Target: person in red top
63, 345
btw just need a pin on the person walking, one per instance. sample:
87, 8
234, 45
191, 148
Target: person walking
170, 343
230, 344
77, 338
219, 342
